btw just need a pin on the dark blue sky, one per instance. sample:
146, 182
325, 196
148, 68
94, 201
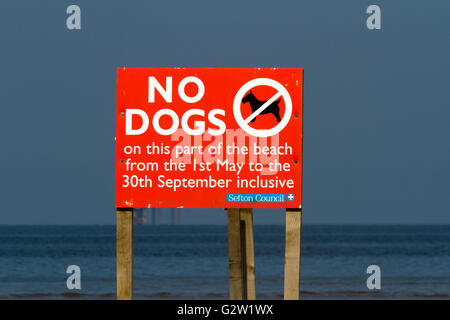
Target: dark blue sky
376, 103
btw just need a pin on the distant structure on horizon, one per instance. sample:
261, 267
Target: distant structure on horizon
172, 215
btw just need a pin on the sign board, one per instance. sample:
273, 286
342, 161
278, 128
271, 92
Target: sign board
209, 137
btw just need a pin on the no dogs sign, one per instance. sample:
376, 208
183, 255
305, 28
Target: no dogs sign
209, 138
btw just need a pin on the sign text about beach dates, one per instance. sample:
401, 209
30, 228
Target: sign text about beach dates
209, 138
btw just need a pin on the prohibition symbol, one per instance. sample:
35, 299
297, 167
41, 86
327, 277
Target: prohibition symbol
281, 91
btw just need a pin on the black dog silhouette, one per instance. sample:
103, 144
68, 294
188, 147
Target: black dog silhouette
255, 104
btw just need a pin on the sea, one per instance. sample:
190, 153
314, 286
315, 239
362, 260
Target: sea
191, 261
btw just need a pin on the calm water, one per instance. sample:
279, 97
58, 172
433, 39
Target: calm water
182, 262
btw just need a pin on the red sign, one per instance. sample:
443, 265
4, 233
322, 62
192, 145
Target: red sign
209, 138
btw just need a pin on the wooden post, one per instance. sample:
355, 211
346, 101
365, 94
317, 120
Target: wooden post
241, 254
292, 254
248, 253
124, 253
234, 254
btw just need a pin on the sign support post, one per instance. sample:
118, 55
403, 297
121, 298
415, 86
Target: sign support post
124, 253
292, 254
241, 256
234, 254
248, 253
